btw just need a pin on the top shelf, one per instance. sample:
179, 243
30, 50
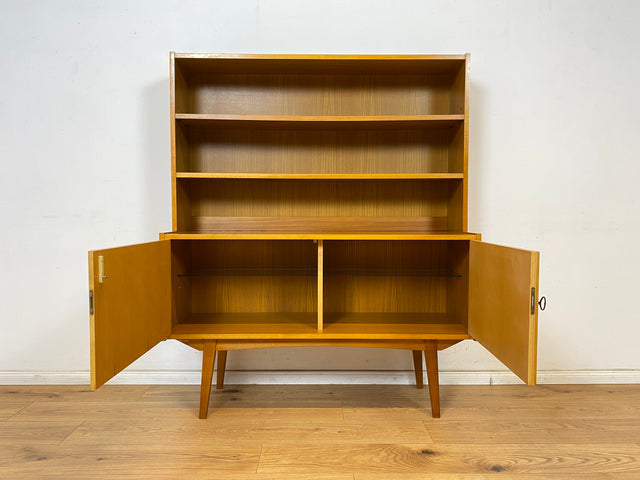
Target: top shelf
372, 121
260, 63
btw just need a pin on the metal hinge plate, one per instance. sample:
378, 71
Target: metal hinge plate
90, 302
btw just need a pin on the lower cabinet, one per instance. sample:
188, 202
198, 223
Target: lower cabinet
221, 295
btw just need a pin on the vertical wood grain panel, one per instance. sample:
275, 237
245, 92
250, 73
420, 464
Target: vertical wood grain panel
280, 276
352, 284
320, 94
132, 306
268, 198
500, 282
324, 150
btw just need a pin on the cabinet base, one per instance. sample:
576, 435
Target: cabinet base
211, 347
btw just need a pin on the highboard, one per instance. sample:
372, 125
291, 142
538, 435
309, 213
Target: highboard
317, 200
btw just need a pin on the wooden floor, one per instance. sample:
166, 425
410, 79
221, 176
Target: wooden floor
320, 432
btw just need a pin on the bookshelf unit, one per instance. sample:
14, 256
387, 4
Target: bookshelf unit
316, 201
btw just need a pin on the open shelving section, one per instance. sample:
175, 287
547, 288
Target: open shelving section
320, 138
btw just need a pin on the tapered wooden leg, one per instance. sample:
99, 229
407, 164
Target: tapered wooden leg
222, 363
208, 358
431, 358
417, 366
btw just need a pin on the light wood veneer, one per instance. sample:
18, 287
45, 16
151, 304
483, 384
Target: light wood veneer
316, 201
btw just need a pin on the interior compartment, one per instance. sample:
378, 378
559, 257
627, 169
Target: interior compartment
319, 87
396, 286
320, 148
211, 205
246, 285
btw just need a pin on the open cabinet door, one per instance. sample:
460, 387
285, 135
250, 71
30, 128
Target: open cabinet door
503, 309
130, 291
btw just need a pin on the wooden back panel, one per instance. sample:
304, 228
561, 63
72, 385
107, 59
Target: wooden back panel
342, 149
386, 276
319, 198
244, 276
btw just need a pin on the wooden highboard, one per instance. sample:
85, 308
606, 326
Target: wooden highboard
317, 200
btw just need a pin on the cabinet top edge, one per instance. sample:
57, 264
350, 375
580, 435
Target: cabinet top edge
243, 56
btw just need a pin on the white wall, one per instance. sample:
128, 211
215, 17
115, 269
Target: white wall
554, 155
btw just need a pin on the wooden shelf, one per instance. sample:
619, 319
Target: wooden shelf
318, 64
318, 228
337, 326
325, 176
314, 121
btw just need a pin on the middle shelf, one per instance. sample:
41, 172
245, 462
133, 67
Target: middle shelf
387, 145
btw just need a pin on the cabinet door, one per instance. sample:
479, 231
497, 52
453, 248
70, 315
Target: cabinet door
131, 305
503, 310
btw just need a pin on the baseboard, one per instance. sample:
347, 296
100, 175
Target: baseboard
192, 377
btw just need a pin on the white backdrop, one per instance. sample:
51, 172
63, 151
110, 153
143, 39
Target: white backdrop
554, 159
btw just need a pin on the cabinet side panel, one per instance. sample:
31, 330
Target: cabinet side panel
458, 286
180, 282
456, 207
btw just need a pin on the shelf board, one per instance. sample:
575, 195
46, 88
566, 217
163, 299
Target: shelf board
315, 121
302, 326
313, 272
247, 326
320, 64
319, 228
325, 176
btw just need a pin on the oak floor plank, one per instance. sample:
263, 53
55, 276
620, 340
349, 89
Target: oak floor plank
75, 393
56, 411
9, 409
254, 396
571, 430
440, 458
189, 475
163, 459
397, 414
179, 432
79, 411
548, 401
35, 433
493, 476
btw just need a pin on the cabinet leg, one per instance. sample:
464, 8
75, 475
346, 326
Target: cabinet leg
208, 358
222, 363
417, 366
431, 358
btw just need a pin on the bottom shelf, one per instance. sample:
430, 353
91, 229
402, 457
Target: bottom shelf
303, 326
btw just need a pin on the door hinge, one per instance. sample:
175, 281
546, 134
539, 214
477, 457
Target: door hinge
90, 302
101, 275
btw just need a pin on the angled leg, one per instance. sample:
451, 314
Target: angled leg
431, 358
222, 363
417, 366
208, 358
